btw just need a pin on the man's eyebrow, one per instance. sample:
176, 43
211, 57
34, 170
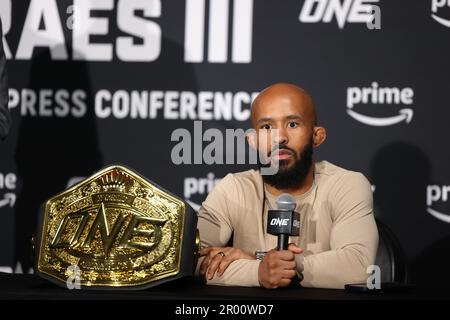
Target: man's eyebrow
264, 119
289, 117
294, 116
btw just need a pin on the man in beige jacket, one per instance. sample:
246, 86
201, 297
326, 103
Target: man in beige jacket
338, 235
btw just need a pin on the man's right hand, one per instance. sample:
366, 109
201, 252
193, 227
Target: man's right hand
278, 267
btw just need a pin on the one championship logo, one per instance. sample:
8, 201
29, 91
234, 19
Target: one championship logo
284, 222
116, 227
279, 222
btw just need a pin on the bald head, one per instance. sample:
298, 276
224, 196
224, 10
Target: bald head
284, 95
284, 119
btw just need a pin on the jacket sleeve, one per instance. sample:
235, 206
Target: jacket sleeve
215, 224
353, 239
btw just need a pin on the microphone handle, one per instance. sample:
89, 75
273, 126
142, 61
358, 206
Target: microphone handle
283, 242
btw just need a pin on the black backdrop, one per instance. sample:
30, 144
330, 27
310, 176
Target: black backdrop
381, 90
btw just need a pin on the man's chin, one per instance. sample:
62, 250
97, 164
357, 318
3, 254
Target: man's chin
291, 170
285, 164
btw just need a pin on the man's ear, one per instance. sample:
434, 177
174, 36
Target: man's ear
251, 139
319, 136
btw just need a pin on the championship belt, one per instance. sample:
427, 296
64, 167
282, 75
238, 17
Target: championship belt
115, 229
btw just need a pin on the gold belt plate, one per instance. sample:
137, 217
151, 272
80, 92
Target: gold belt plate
116, 228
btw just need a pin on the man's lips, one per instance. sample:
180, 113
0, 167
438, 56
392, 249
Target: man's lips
281, 154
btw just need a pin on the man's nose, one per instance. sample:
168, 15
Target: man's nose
281, 137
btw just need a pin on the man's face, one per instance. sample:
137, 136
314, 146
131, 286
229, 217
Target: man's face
293, 125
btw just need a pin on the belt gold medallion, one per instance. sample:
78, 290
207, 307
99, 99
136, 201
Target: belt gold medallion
116, 229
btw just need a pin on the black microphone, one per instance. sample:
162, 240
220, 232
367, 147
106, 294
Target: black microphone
284, 221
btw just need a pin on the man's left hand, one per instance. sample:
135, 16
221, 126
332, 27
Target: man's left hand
219, 258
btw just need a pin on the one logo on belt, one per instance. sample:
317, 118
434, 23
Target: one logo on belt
121, 229
376, 95
76, 224
435, 6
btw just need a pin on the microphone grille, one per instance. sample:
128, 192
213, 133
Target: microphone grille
286, 201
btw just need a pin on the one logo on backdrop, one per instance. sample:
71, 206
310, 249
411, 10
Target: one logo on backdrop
196, 189
374, 96
437, 196
435, 6
7, 189
346, 11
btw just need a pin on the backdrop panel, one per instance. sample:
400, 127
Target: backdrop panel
100, 82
